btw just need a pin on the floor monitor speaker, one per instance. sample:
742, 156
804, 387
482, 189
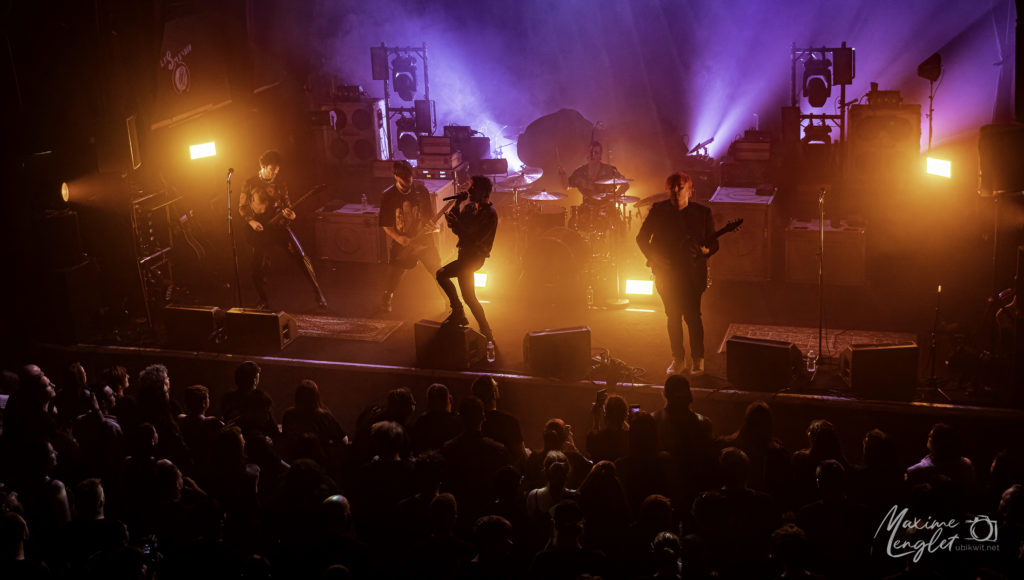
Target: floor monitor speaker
258, 331
447, 346
880, 371
760, 364
563, 353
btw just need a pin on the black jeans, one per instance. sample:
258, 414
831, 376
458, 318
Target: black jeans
681, 297
428, 256
463, 268
263, 243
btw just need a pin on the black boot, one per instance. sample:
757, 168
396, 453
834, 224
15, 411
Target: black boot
456, 318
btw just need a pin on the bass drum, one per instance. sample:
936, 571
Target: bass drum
554, 269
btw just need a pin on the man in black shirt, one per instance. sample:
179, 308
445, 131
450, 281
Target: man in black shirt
266, 209
475, 225
405, 216
677, 237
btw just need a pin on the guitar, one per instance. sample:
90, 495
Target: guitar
405, 256
701, 260
280, 213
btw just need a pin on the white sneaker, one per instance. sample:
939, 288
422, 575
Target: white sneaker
678, 366
698, 367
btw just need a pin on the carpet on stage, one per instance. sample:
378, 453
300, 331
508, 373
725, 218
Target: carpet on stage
834, 340
365, 329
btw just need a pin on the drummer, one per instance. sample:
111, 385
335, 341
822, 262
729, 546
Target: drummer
585, 178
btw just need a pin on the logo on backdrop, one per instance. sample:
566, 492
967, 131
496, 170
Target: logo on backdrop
181, 80
911, 536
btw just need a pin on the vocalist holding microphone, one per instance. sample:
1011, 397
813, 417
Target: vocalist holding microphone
475, 225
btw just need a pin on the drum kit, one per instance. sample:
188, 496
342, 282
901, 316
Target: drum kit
599, 227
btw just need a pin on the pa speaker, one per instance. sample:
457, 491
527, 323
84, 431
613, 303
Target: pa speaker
353, 133
257, 331
194, 327
884, 143
880, 371
446, 346
563, 353
761, 364
999, 148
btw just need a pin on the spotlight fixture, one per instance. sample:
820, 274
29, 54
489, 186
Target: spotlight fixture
65, 191
408, 142
640, 287
403, 77
931, 69
203, 150
818, 134
480, 279
940, 167
817, 81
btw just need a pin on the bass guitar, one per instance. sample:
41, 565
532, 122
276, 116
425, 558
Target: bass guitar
406, 256
700, 260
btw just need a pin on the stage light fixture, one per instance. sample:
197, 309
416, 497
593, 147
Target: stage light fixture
818, 134
403, 77
408, 141
480, 279
817, 81
931, 68
640, 287
65, 191
203, 150
940, 167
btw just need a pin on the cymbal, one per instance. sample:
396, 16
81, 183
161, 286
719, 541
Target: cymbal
620, 198
521, 179
544, 196
651, 200
614, 181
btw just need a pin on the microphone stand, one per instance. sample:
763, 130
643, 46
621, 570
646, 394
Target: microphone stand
821, 282
234, 248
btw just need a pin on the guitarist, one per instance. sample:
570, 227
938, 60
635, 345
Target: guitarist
405, 212
678, 237
266, 209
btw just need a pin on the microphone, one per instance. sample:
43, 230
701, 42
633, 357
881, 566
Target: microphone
462, 195
230, 171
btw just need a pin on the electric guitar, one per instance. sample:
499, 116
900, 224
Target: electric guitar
405, 256
279, 215
700, 259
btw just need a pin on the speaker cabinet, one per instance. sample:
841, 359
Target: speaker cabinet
199, 328
447, 346
880, 371
349, 234
70, 303
353, 133
257, 331
563, 353
761, 364
845, 253
999, 148
884, 143
745, 254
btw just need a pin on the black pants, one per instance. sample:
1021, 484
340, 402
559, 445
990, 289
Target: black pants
463, 268
263, 244
681, 297
428, 256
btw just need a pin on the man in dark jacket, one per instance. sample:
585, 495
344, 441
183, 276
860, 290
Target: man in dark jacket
677, 237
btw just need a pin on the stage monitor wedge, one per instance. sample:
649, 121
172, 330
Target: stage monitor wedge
258, 331
760, 364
